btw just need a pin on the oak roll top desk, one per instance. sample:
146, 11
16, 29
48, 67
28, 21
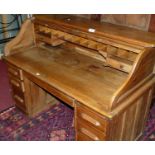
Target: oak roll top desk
105, 72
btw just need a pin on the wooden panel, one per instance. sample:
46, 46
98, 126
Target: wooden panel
118, 18
152, 23
129, 125
122, 125
137, 107
141, 115
116, 127
138, 21
36, 98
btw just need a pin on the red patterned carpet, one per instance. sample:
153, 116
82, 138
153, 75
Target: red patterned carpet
53, 124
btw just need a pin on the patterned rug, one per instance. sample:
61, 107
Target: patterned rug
149, 132
55, 123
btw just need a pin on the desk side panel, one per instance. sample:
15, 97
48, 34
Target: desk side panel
24, 39
129, 124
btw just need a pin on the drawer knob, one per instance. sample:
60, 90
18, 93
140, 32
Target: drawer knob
90, 119
97, 124
37, 74
92, 30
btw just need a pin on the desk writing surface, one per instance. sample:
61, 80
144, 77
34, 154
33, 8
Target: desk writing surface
79, 76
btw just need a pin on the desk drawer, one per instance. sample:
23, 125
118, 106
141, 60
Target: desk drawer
16, 83
86, 132
14, 71
83, 137
22, 108
67, 99
18, 96
92, 118
19, 99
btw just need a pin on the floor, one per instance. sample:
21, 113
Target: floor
6, 100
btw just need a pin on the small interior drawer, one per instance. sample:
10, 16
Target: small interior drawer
89, 131
118, 64
43, 38
14, 71
92, 118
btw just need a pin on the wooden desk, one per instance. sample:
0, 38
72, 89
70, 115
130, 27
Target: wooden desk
107, 79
